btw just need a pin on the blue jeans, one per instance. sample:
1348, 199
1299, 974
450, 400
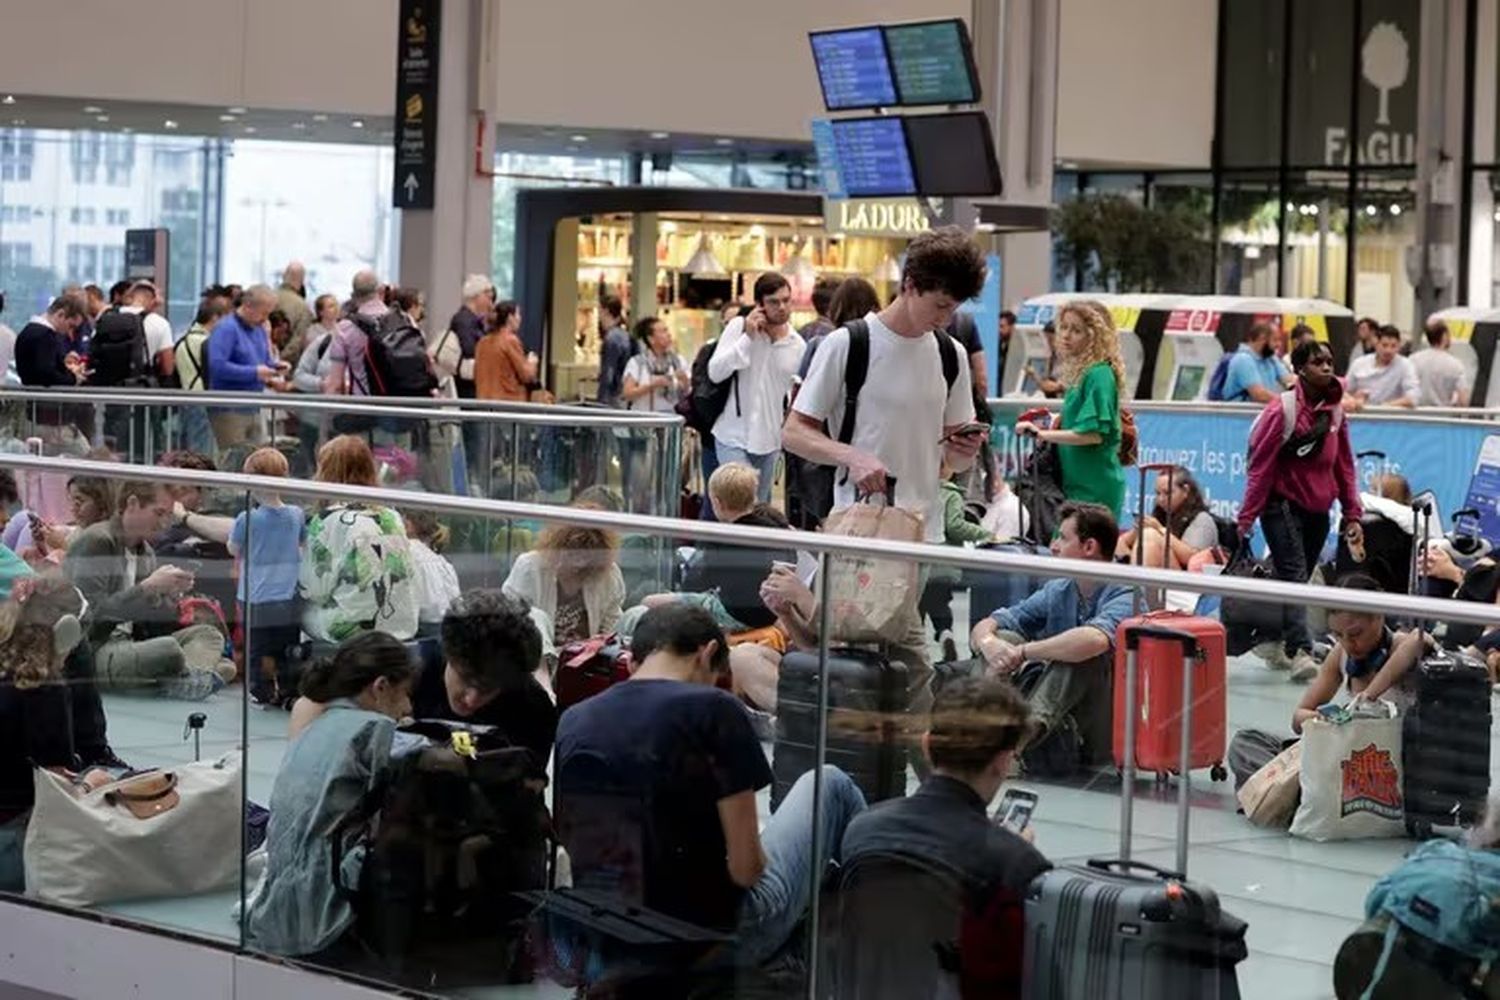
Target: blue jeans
778, 900
710, 463
765, 465
12, 837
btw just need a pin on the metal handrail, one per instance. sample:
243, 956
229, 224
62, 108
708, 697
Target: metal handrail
1425, 414
240, 398
1370, 602
434, 409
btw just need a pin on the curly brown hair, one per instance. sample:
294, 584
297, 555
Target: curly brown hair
576, 552
945, 260
28, 649
347, 459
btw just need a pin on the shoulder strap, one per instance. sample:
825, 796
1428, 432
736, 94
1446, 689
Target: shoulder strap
949, 352
1288, 415
856, 368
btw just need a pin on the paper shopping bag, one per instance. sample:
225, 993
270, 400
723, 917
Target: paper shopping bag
1351, 777
1269, 798
870, 599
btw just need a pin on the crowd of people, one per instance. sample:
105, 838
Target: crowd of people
354, 620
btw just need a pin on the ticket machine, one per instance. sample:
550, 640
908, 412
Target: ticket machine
1200, 329
1138, 319
1476, 333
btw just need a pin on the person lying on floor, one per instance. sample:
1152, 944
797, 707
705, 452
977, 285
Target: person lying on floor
656, 795
329, 766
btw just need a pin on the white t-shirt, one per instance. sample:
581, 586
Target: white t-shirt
903, 408
158, 331
766, 371
7, 349
1439, 376
436, 579
1397, 380
639, 370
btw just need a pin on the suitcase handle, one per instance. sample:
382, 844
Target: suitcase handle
1134, 634
1124, 864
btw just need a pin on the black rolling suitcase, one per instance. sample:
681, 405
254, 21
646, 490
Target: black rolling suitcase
1125, 930
1445, 744
1445, 735
867, 702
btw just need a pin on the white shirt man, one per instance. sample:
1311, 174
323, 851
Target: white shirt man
1381, 378
1442, 379
159, 338
763, 352
906, 405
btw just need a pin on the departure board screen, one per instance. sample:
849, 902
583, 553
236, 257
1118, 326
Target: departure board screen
873, 157
953, 154
933, 63
853, 69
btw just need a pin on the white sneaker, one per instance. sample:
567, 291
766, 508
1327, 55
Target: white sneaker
1273, 655
1304, 668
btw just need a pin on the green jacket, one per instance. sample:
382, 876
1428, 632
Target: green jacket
958, 529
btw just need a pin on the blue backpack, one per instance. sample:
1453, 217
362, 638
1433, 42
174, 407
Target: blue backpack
1219, 377
1447, 894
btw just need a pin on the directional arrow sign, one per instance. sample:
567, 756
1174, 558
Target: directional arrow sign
417, 50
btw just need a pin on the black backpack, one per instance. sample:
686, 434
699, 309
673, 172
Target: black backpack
117, 351
395, 357
452, 835
702, 407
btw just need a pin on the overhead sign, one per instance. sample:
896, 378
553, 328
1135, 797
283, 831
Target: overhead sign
416, 104
876, 217
1192, 321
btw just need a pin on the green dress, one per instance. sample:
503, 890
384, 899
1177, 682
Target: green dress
1093, 473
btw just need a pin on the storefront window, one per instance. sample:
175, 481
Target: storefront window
1249, 235
326, 205
1317, 245
66, 199
1386, 218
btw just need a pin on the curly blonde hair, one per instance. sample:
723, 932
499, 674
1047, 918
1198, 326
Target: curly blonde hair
28, 651
576, 552
1103, 342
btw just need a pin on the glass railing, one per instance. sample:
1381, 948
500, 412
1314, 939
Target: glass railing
519, 451
660, 838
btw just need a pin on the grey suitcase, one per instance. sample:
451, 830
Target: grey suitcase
1124, 930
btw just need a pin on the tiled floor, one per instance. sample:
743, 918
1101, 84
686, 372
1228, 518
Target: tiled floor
1299, 898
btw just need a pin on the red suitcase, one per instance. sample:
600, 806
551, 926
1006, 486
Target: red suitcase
1159, 682
1158, 696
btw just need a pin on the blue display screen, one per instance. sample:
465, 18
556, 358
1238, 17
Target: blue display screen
853, 69
873, 157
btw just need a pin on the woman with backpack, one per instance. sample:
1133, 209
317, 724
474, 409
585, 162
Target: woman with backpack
1300, 463
1087, 436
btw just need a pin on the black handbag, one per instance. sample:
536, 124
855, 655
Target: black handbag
1247, 622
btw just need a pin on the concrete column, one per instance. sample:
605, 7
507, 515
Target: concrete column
643, 265
441, 246
1433, 262
1016, 46
1482, 208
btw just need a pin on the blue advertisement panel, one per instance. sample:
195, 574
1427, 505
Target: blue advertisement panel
986, 312
1440, 456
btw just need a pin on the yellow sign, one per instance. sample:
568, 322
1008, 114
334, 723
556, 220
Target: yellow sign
1125, 317
876, 217
1318, 325
1460, 329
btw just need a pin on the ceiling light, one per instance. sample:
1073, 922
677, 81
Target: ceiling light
703, 260
1395, 209
8, 99
101, 119
249, 129
169, 125
228, 118
127, 130
18, 121
661, 135
1312, 209
235, 111
668, 226
578, 138
1371, 210
357, 123
92, 109
320, 118
299, 126
723, 142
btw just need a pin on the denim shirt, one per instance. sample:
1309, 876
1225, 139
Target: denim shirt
326, 773
1059, 606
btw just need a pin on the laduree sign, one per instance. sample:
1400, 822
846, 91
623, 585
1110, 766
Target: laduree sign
416, 104
876, 217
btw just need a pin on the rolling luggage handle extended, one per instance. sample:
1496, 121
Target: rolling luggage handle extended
1190, 651
1140, 532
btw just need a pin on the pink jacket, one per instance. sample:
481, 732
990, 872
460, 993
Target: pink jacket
1311, 483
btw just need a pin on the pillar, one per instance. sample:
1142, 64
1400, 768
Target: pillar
1433, 262
442, 245
1482, 206
1015, 46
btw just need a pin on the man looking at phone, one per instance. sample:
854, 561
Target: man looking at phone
761, 352
1066, 630
977, 725
239, 360
114, 567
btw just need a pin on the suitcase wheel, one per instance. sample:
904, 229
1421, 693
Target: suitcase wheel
1218, 773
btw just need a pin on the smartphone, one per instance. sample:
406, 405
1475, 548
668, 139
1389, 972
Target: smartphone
1016, 807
